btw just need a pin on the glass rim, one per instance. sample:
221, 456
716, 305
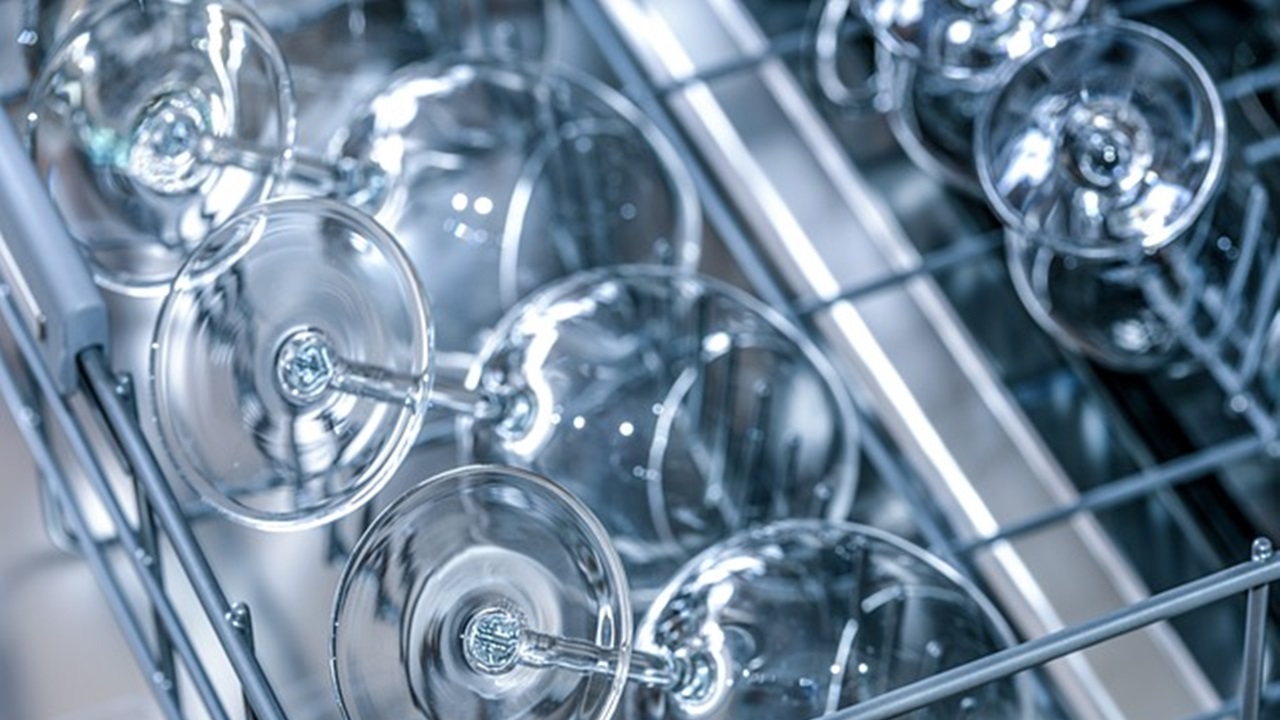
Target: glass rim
84, 23
1151, 38
841, 502
687, 207
911, 53
385, 463
998, 624
603, 551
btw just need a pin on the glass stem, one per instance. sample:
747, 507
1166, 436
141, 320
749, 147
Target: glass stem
308, 367
497, 640
547, 651
450, 393
376, 383
320, 176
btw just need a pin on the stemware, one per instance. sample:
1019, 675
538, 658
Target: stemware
491, 591
312, 338
134, 122
1106, 157
653, 396
499, 178
940, 58
290, 364
342, 51
510, 174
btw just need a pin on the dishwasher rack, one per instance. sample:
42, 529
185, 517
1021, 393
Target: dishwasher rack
58, 324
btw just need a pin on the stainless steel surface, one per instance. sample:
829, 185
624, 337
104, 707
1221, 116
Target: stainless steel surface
824, 228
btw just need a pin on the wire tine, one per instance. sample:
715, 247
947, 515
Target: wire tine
1262, 151
789, 478
784, 45
1264, 311
1255, 633
242, 620
149, 538
722, 445
1267, 76
754, 442
930, 264
698, 393
550, 122
1175, 472
56, 528
591, 192
1250, 241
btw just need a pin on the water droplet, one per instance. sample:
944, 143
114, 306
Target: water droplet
1262, 549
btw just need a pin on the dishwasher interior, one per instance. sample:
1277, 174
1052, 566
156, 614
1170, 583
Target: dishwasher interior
1066, 490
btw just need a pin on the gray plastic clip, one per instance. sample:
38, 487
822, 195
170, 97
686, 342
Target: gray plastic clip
42, 266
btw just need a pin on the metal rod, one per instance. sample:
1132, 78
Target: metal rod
1255, 634
257, 689
1132, 487
930, 264
150, 540
784, 45
94, 553
133, 551
1262, 151
1257, 79
242, 619
1034, 653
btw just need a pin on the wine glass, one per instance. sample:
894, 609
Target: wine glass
680, 410
342, 51
290, 364
490, 591
499, 178
135, 122
310, 333
944, 56
1105, 157
809, 616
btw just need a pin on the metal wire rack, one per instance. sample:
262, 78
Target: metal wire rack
57, 322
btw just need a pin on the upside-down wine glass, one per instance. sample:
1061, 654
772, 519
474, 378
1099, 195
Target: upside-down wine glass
291, 363
654, 396
498, 179
489, 173
936, 61
1133, 236
396, 31
489, 591
310, 335
134, 122
342, 51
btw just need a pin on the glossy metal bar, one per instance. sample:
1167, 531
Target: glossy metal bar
101, 383
93, 551
1157, 608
